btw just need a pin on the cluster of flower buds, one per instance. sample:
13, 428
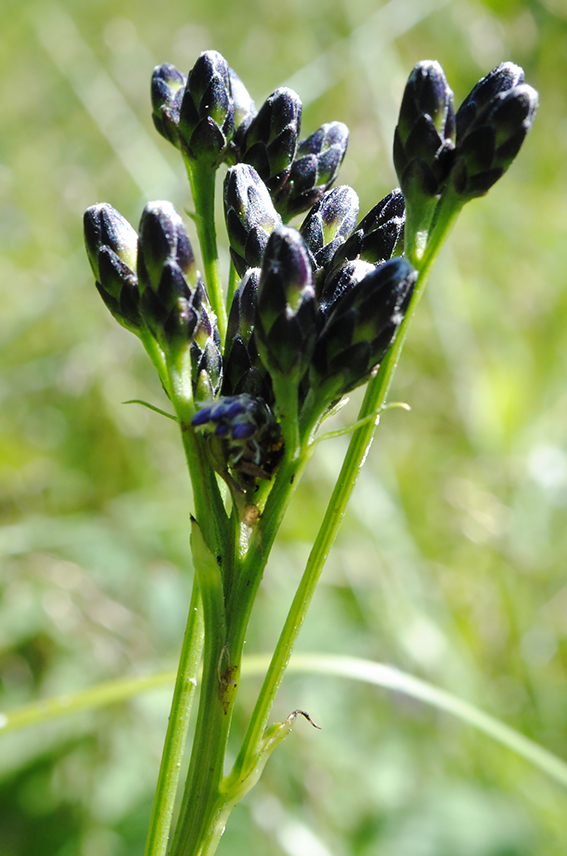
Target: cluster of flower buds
149, 282
424, 138
433, 148
309, 313
319, 306
210, 116
492, 123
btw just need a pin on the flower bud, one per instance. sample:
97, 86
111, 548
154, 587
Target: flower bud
171, 290
425, 133
270, 141
378, 236
206, 356
242, 314
360, 329
329, 224
286, 309
244, 112
167, 88
506, 76
340, 281
314, 169
243, 369
206, 115
250, 216
111, 245
492, 139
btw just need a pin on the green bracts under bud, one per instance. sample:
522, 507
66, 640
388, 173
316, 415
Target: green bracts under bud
491, 140
206, 114
314, 169
111, 245
250, 216
329, 224
359, 330
167, 88
286, 309
425, 134
270, 141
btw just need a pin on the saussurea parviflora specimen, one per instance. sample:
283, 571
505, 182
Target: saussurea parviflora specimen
310, 313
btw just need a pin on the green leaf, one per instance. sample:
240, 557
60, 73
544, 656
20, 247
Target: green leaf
352, 668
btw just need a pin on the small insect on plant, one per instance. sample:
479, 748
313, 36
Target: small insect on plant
243, 436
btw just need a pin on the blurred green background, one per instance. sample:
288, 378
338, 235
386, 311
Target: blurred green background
452, 561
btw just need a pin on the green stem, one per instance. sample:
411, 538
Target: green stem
157, 357
213, 721
233, 280
206, 767
358, 449
209, 507
213, 553
175, 738
261, 542
202, 181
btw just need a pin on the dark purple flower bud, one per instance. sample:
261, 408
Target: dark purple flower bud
244, 107
314, 169
506, 76
242, 316
168, 86
172, 293
206, 356
425, 133
341, 280
206, 115
329, 224
286, 309
359, 330
250, 216
270, 141
244, 112
491, 140
112, 246
378, 236
243, 369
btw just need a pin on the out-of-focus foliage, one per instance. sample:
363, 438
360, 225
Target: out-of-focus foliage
452, 562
